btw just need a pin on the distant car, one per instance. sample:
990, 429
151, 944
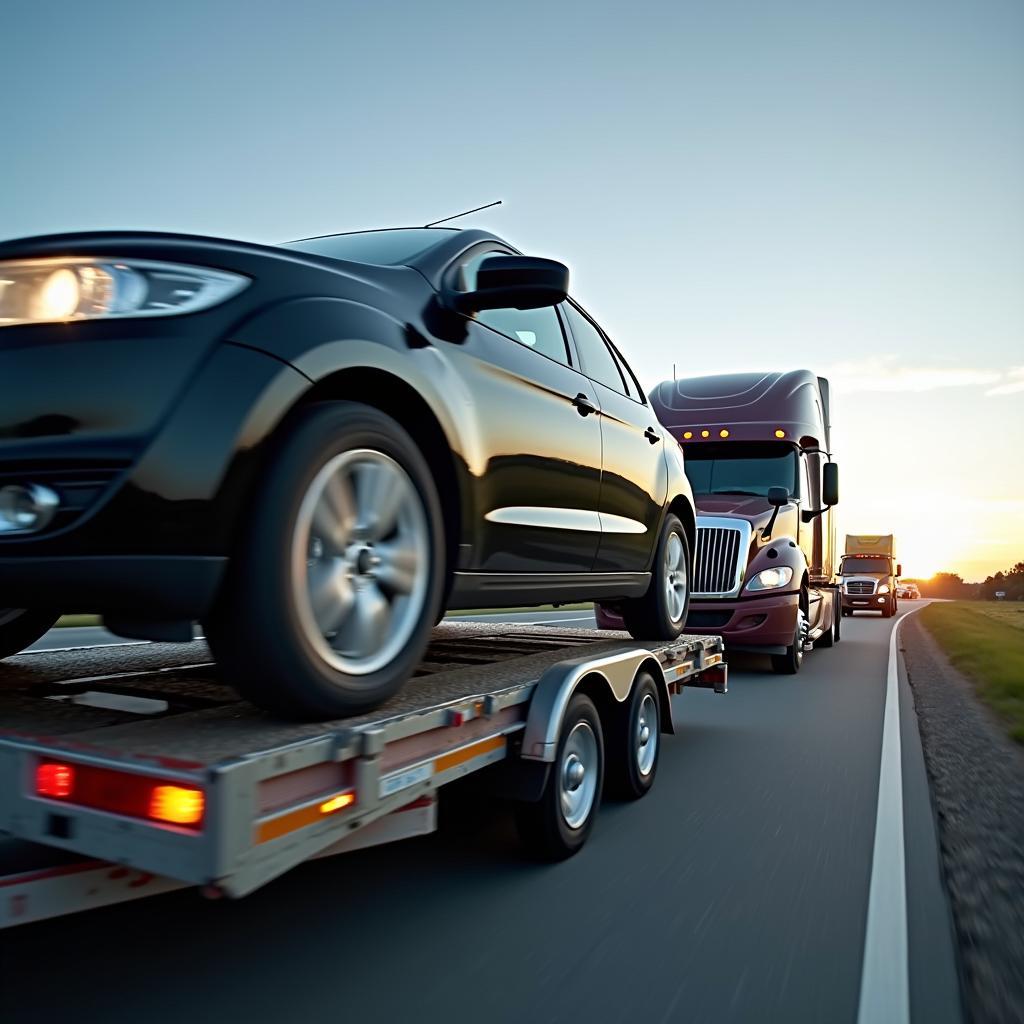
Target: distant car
908, 591
316, 448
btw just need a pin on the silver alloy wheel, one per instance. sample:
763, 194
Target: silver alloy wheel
676, 582
646, 735
360, 561
577, 775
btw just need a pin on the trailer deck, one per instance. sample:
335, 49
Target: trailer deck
246, 796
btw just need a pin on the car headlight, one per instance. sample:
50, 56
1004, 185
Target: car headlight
771, 579
58, 290
884, 588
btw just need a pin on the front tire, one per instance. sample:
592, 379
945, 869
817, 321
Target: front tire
661, 613
22, 627
790, 663
330, 599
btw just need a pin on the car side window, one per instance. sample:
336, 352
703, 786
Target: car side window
598, 361
539, 329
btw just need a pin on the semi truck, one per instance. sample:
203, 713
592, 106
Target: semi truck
757, 449
869, 574
132, 770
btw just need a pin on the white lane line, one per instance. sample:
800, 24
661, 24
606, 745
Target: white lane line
885, 972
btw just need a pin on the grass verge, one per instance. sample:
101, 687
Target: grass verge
78, 620
982, 642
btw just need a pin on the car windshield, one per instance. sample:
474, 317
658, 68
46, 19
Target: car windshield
852, 566
741, 468
389, 248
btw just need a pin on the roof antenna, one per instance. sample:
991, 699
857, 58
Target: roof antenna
476, 209
674, 377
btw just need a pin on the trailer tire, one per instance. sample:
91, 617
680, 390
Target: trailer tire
331, 596
22, 627
635, 742
661, 613
556, 826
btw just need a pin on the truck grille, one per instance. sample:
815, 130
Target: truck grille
717, 562
860, 588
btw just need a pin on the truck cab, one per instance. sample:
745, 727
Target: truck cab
869, 574
757, 449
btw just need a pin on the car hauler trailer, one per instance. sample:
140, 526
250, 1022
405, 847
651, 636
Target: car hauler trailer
131, 770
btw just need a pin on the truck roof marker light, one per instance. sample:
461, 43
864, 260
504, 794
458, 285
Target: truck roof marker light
177, 805
687, 434
55, 780
780, 433
705, 433
338, 803
723, 433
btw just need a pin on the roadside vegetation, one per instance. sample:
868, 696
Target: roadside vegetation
985, 641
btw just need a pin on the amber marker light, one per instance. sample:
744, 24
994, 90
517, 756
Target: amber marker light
687, 434
337, 803
723, 433
177, 805
780, 433
705, 433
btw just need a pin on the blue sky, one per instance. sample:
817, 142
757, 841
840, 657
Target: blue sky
735, 185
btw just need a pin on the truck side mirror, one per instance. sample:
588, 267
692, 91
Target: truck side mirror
830, 483
899, 568
777, 497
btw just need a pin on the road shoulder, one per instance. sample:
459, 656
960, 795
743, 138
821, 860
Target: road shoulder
976, 777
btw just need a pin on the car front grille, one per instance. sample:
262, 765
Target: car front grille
860, 588
716, 567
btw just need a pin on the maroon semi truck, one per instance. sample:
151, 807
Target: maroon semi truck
758, 457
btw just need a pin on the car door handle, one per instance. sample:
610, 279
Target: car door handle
652, 435
584, 406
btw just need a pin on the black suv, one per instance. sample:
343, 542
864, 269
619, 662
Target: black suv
317, 448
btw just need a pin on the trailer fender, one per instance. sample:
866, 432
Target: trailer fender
614, 674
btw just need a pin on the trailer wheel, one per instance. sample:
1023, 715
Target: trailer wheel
21, 628
557, 825
636, 742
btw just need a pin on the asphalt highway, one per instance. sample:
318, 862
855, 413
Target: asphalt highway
737, 890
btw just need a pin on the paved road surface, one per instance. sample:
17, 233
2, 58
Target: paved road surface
737, 891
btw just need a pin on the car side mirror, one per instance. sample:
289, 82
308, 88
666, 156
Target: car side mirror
830, 484
777, 497
514, 282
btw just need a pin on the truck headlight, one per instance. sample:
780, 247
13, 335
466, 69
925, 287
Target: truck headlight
60, 290
771, 579
884, 588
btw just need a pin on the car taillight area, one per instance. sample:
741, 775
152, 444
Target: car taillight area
135, 796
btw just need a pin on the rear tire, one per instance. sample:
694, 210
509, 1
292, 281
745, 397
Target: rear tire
22, 627
330, 598
556, 826
661, 613
831, 635
635, 742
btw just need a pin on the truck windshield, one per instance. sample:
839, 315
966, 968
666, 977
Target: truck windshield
852, 566
741, 468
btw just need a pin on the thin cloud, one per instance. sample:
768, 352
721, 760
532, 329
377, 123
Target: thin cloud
883, 374
1012, 385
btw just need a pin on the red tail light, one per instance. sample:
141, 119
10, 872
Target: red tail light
55, 780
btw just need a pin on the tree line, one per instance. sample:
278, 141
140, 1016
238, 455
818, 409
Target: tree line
951, 585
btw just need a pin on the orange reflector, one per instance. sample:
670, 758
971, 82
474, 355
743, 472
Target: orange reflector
687, 434
780, 433
178, 805
723, 433
55, 780
337, 803
705, 433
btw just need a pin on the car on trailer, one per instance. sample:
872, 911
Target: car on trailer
316, 448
